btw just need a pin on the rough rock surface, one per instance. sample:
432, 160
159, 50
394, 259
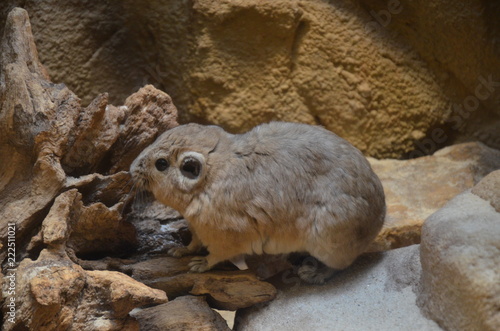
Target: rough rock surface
249, 62
461, 259
457, 40
86, 45
150, 112
228, 290
53, 293
44, 132
29, 106
416, 188
377, 293
86, 230
383, 74
488, 189
55, 219
107, 139
184, 313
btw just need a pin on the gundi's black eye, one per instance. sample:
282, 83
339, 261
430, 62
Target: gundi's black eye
161, 164
191, 167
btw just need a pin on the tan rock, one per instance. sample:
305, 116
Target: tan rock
101, 230
382, 74
108, 138
36, 117
43, 123
472, 79
40, 124
183, 313
123, 292
489, 189
229, 290
149, 112
300, 61
84, 46
111, 190
52, 293
86, 229
56, 228
460, 263
416, 188
96, 131
228, 315
157, 268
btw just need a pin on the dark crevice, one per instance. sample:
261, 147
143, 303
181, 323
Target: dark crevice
300, 32
318, 120
436, 138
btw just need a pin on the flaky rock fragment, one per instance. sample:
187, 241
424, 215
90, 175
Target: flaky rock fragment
36, 117
416, 188
101, 230
233, 291
149, 112
96, 131
183, 313
228, 290
110, 190
53, 293
56, 227
488, 189
124, 293
107, 138
87, 230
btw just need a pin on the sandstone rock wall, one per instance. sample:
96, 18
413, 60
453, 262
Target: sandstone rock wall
84, 44
459, 41
392, 77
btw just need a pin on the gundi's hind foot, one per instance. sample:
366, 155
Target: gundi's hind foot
198, 264
193, 248
180, 251
313, 271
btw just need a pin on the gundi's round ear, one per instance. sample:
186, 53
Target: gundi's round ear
191, 164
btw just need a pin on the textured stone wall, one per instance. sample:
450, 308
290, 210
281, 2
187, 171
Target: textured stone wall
396, 78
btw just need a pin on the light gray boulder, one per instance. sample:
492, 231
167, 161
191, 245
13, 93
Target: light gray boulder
376, 293
460, 255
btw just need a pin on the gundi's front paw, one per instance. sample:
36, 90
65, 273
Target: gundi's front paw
179, 251
198, 264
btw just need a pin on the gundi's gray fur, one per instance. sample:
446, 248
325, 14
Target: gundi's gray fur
279, 188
